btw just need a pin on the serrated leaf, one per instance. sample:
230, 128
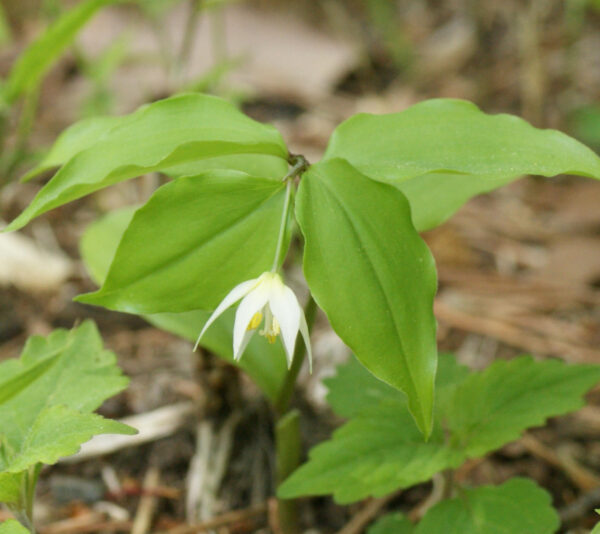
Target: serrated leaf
375, 453
264, 362
176, 130
467, 151
517, 506
82, 376
12, 527
396, 523
373, 275
211, 232
59, 431
378, 451
39, 56
493, 407
10, 487
354, 389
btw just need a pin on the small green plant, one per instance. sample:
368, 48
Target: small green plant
47, 397
207, 237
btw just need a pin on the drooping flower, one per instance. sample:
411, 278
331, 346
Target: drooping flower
268, 298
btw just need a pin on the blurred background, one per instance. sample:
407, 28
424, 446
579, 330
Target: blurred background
519, 268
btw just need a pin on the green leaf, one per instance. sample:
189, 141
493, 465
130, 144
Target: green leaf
596, 529
180, 129
375, 453
453, 138
50, 417
10, 487
518, 505
194, 240
354, 389
396, 523
381, 449
59, 431
44, 51
76, 138
493, 407
264, 362
12, 527
374, 277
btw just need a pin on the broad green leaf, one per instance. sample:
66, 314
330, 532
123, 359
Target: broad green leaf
192, 242
396, 523
453, 138
82, 376
436, 196
264, 362
12, 527
517, 506
375, 453
180, 129
59, 431
253, 164
44, 51
493, 407
87, 132
374, 277
76, 138
596, 529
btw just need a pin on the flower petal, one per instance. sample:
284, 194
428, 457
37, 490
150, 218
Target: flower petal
232, 297
287, 311
245, 340
253, 302
306, 337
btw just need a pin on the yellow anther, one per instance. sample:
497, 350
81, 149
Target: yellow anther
255, 321
271, 331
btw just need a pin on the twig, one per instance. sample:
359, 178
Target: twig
222, 520
581, 477
147, 506
580, 506
358, 523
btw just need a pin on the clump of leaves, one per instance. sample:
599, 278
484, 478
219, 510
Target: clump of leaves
47, 399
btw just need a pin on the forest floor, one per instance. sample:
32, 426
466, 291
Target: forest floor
519, 269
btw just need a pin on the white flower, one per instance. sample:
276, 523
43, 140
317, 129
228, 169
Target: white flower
269, 298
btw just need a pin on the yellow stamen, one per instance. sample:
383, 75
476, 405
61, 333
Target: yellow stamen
255, 321
271, 331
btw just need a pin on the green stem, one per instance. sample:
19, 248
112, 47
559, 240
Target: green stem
282, 226
288, 446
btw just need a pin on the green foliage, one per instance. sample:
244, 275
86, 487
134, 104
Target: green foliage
54, 387
518, 505
395, 523
183, 128
457, 150
12, 527
379, 450
212, 232
373, 275
493, 407
264, 362
31, 66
